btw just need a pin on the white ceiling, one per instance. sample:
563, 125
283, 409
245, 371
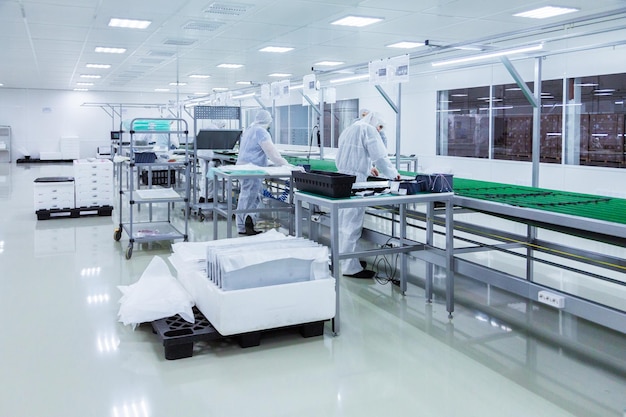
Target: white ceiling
46, 44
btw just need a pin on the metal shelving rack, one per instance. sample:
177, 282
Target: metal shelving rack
207, 113
151, 230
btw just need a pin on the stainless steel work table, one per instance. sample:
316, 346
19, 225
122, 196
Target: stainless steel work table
227, 207
405, 246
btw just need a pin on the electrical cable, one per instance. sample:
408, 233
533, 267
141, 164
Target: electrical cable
386, 270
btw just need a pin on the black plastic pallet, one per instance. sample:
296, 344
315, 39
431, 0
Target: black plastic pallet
178, 335
46, 214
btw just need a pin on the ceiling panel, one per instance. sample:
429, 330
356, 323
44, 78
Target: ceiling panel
64, 34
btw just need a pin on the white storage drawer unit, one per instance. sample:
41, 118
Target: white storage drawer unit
93, 182
54, 193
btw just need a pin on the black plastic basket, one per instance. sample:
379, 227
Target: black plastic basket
329, 184
159, 177
436, 183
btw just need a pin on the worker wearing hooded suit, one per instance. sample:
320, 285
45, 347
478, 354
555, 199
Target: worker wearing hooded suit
360, 146
255, 147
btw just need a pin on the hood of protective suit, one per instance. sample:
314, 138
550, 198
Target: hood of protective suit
263, 118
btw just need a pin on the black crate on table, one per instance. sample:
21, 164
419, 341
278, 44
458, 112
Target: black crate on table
159, 177
435, 183
329, 184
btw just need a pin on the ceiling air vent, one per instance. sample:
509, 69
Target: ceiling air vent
150, 61
227, 9
202, 25
162, 53
179, 41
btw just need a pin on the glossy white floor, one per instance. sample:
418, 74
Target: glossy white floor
63, 352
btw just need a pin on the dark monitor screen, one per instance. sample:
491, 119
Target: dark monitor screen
217, 139
116, 135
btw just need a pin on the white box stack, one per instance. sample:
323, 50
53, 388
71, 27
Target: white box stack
54, 193
93, 182
70, 147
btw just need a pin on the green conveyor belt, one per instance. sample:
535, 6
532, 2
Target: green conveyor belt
575, 204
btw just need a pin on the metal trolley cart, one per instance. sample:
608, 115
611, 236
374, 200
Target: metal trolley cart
145, 166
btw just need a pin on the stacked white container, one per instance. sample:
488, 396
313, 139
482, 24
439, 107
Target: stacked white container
94, 182
54, 193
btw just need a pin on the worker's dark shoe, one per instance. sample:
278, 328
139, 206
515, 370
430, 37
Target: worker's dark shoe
250, 227
366, 273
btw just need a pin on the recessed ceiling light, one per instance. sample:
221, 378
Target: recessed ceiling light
328, 63
129, 23
244, 83
161, 90
200, 93
279, 74
90, 76
586, 85
1, 85
604, 90
107, 50
84, 84
103, 66
199, 76
220, 89
356, 21
405, 45
231, 66
81, 89
276, 49
178, 83
545, 12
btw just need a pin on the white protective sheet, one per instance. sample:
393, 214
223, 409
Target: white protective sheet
156, 295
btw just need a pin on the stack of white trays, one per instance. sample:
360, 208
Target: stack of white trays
93, 182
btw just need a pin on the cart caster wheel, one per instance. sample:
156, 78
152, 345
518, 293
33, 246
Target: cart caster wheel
450, 316
201, 217
129, 251
117, 235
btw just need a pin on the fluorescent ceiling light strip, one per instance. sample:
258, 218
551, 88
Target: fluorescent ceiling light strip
81, 89
161, 90
328, 63
243, 96
276, 49
103, 66
108, 50
405, 45
199, 76
356, 21
545, 12
347, 79
89, 76
129, 23
178, 83
231, 66
487, 56
279, 74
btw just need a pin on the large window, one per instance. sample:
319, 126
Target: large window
582, 124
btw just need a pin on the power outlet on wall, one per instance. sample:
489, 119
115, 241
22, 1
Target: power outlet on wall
551, 299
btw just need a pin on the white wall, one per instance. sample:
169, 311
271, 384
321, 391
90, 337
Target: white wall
40, 118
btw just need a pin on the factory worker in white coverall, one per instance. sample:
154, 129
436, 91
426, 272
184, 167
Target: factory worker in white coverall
360, 146
255, 147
